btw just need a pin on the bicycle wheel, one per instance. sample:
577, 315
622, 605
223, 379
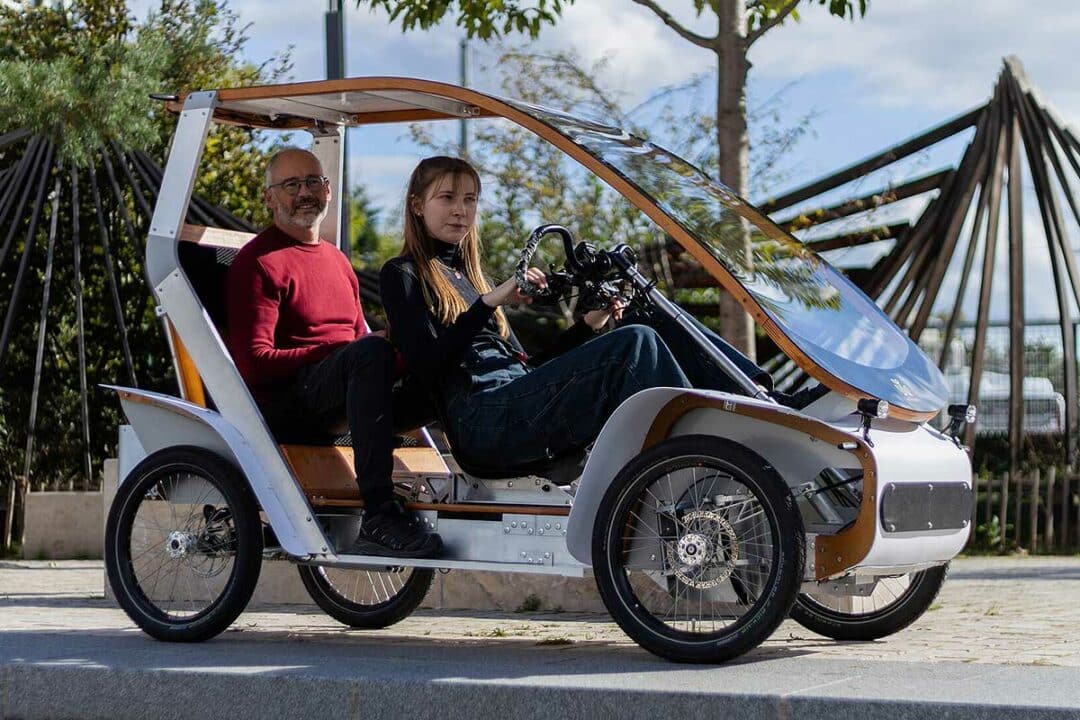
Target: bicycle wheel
183, 544
698, 549
895, 603
367, 598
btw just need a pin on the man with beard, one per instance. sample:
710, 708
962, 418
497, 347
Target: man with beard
298, 336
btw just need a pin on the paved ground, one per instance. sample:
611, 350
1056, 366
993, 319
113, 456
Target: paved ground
1022, 611
1021, 616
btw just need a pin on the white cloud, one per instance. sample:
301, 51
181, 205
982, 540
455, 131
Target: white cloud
929, 53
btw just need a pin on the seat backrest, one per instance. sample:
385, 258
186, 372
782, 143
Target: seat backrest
205, 255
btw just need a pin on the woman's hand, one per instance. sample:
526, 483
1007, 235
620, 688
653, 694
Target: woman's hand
597, 319
508, 292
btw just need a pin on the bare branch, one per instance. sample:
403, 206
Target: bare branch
767, 25
671, 22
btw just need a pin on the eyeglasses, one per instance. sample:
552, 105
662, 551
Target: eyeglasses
314, 184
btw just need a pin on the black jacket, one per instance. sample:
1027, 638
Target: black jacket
467, 354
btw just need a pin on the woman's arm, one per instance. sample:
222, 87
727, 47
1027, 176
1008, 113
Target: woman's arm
426, 351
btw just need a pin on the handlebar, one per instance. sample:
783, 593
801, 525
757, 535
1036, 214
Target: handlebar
531, 289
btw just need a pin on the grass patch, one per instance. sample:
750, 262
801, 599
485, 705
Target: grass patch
531, 603
555, 641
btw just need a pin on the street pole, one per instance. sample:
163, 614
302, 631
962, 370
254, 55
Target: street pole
335, 70
463, 67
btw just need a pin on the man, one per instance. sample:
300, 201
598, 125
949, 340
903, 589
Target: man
299, 338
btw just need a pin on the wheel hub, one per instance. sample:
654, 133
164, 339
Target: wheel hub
178, 544
693, 549
705, 555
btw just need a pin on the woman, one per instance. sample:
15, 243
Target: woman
500, 407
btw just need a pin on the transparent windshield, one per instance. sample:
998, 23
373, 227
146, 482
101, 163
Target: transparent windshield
833, 323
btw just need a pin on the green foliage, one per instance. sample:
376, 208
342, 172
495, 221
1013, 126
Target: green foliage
43, 32
987, 537
363, 225
487, 19
531, 603
79, 72
81, 75
760, 13
81, 92
484, 19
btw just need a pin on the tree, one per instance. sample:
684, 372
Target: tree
78, 73
739, 23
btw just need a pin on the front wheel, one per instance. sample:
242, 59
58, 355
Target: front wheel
895, 603
698, 549
183, 544
367, 598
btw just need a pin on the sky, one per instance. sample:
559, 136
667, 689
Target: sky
904, 67
869, 83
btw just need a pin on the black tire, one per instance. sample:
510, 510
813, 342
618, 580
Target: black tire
768, 527
378, 598
874, 620
218, 529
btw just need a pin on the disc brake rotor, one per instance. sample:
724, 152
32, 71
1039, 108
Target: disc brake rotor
706, 552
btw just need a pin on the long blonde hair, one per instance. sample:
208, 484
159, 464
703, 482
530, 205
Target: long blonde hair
439, 293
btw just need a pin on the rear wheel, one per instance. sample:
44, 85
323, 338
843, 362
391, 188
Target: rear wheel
698, 549
183, 544
369, 597
895, 603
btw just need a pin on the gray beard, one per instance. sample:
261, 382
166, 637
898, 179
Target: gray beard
307, 221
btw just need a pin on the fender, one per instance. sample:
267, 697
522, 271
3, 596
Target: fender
798, 447
161, 421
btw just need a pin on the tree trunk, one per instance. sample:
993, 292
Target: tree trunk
733, 148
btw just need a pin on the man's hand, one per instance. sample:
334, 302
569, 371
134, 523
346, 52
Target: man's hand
378, 333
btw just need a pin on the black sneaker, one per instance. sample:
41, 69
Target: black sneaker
391, 532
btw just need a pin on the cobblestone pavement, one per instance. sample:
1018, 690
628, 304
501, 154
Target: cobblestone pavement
1023, 611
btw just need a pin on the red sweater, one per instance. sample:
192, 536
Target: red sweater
289, 305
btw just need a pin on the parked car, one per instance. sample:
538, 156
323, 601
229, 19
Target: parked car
1044, 407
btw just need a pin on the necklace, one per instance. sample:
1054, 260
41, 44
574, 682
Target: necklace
456, 272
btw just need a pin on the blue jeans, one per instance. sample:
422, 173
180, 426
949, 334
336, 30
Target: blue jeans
528, 415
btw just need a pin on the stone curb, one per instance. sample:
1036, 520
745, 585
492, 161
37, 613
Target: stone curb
29, 691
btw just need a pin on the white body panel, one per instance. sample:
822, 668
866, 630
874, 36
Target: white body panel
161, 421
914, 454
